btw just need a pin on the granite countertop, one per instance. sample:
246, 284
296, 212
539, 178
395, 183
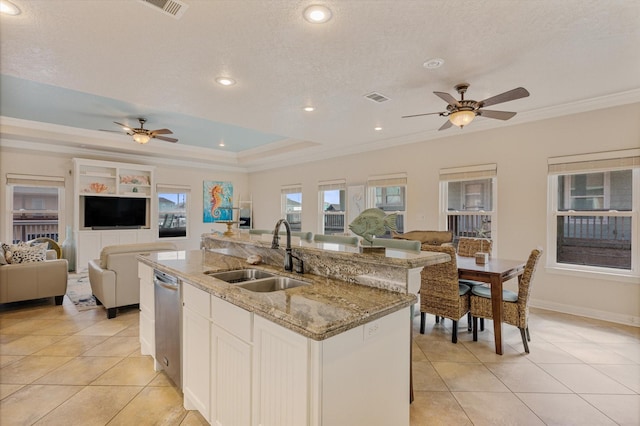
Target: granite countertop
321, 310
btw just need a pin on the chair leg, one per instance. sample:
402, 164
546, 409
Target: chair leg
528, 335
58, 299
468, 321
475, 328
422, 320
481, 324
437, 319
454, 336
523, 333
111, 313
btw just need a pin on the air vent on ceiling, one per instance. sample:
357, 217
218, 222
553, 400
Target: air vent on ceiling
376, 97
174, 8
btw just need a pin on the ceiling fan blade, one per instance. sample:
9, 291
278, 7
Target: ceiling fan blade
500, 115
446, 125
420, 115
161, 132
511, 95
124, 126
111, 131
164, 138
448, 98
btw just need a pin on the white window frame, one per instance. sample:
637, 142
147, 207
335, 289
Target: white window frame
332, 185
14, 180
381, 181
286, 190
593, 163
480, 172
162, 188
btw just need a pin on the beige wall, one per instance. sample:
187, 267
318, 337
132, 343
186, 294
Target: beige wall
521, 153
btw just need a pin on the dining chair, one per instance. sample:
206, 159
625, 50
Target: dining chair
410, 245
468, 247
440, 292
336, 239
515, 306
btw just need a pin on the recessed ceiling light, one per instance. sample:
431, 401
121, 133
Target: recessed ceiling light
225, 81
309, 109
8, 8
433, 63
377, 129
221, 143
317, 14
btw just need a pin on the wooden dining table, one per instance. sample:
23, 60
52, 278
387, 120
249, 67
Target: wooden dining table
495, 272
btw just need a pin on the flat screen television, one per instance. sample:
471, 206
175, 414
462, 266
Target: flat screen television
115, 212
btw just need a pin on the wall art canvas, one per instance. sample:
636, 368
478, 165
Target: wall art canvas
217, 201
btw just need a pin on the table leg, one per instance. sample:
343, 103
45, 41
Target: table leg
496, 305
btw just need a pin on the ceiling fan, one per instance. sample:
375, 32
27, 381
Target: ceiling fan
142, 135
462, 112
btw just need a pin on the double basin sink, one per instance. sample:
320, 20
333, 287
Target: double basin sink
257, 280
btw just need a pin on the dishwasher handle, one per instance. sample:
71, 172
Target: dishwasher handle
168, 286
166, 281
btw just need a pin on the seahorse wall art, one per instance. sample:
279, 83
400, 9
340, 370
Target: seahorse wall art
217, 201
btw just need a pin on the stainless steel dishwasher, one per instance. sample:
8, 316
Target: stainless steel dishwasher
168, 305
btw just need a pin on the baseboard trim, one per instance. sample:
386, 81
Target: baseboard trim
617, 318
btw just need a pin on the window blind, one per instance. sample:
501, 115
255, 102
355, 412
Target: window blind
330, 185
168, 187
480, 171
612, 160
291, 189
387, 180
35, 180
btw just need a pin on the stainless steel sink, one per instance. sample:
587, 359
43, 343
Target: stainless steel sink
267, 285
240, 275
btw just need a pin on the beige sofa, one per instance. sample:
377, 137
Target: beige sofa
34, 280
114, 277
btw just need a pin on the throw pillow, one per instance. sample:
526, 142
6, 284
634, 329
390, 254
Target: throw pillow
26, 254
3, 259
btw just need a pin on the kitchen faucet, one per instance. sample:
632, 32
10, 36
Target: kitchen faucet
288, 256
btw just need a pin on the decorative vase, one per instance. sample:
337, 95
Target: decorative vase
69, 248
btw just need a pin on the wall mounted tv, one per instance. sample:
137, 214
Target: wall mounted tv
115, 212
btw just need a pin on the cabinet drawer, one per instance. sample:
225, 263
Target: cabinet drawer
195, 299
235, 320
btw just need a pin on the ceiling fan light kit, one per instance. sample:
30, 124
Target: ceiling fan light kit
462, 118
141, 138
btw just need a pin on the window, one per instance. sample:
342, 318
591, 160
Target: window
173, 211
389, 194
468, 200
291, 198
36, 203
593, 212
333, 207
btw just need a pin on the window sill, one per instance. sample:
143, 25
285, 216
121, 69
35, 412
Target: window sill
624, 277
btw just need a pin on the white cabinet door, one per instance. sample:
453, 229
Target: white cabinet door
196, 359
280, 377
147, 311
196, 362
230, 379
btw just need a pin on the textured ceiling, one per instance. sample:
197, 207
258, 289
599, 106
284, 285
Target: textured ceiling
77, 66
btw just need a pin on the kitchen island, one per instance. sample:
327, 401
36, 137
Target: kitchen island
327, 353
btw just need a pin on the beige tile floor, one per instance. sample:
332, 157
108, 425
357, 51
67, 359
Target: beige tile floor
59, 366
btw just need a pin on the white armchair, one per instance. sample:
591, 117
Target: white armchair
114, 277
